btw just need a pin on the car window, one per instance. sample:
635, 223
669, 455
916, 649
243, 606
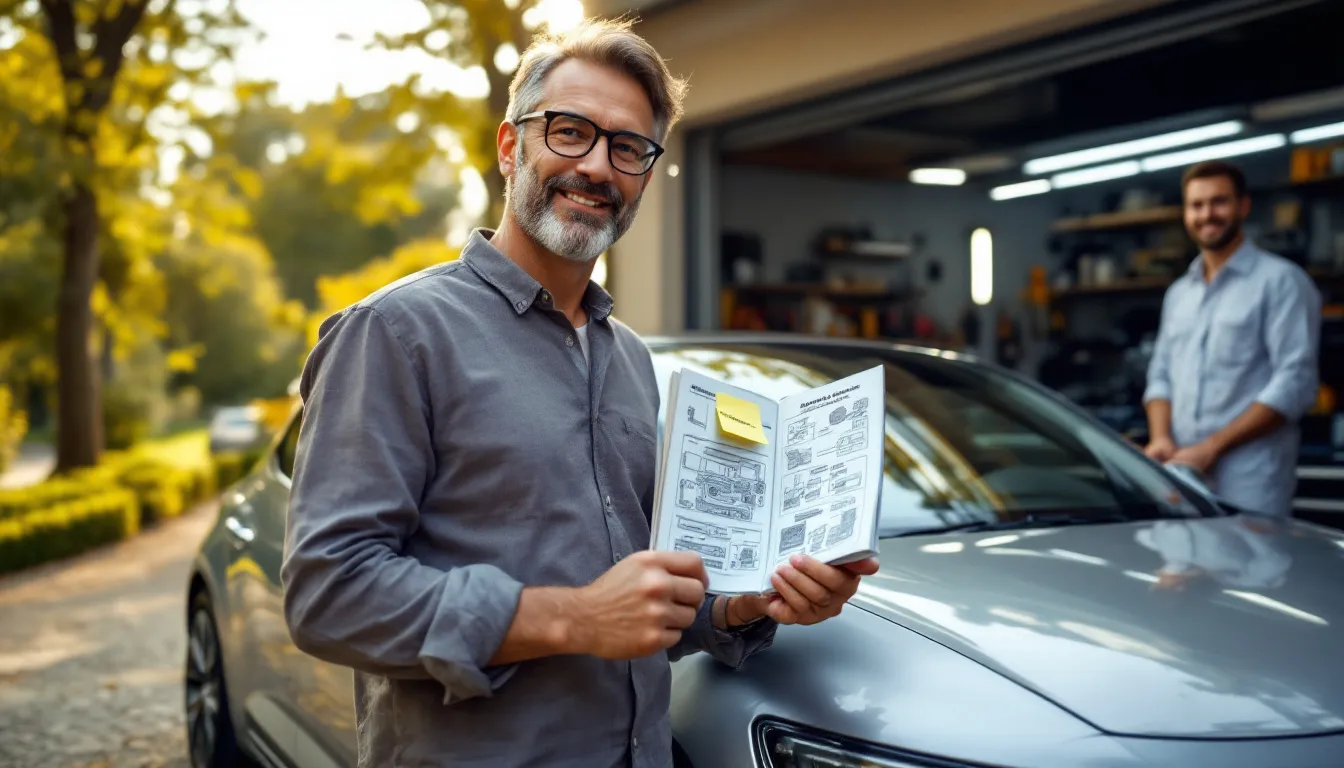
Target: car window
284, 452
236, 417
965, 442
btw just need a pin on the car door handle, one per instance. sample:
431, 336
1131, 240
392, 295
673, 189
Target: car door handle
240, 532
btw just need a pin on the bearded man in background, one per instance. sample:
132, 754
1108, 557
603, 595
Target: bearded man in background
1235, 365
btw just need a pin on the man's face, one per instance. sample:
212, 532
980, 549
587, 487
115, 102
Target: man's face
577, 208
1213, 212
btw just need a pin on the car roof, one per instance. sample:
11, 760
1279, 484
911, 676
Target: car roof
783, 339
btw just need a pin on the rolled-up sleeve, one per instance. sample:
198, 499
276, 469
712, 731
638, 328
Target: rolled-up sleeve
1159, 367
365, 456
1292, 337
731, 648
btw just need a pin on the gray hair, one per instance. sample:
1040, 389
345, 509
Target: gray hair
609, 43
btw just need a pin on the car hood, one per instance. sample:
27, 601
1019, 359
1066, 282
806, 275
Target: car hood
1213, 628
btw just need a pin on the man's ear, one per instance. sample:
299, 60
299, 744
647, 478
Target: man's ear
506, 141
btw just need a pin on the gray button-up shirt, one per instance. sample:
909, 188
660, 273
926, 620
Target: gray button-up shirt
1251, 335
454, 448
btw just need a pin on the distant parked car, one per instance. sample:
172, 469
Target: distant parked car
237, 428
1048, 597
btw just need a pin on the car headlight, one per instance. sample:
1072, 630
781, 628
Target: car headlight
780, 745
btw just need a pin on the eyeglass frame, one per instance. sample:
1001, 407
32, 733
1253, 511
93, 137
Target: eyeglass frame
599, 132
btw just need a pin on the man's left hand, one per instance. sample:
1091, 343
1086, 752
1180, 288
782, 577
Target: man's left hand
1200, 456
808, 591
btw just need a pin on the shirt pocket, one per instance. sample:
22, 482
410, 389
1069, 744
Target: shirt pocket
1234, 335
635, 442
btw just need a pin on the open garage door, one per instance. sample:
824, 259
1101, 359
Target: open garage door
843, 120
1061, 159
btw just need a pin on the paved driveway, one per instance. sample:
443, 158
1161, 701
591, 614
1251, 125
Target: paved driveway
91, 653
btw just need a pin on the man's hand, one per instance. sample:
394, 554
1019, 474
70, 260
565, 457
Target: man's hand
807, 591
640, 606
1200, 456
1160, 449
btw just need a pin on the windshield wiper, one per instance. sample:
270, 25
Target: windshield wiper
1036, 520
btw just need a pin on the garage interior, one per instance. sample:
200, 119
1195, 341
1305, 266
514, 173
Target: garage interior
1026, 205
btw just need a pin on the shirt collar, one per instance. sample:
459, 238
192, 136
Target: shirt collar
1239, 262
515, 284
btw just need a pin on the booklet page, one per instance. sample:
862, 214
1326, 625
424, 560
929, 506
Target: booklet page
830, 464
714, 495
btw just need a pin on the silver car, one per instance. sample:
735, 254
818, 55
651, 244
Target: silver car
1048, 597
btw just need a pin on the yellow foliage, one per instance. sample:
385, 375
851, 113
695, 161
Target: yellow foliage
274, 412
340, 291
184, 360
13, 427
249, 181
336, 292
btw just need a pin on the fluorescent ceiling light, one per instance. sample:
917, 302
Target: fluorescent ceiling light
1131, 148
1214, 152
1316, 134
982, 266
1020, 189
1094, 175
946, 176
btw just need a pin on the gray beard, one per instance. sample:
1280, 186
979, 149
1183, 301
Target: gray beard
577, 236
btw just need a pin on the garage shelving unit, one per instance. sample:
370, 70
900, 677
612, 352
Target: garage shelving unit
860, 310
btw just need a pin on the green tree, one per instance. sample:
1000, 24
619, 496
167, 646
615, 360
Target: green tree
101, 72
490, 34
336, 188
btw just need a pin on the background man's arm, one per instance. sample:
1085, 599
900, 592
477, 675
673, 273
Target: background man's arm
1157, 394
1292, 337
351, 597
1159, 419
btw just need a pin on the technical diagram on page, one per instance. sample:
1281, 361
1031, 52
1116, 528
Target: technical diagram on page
744, 505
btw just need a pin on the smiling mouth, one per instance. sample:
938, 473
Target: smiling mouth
581, 200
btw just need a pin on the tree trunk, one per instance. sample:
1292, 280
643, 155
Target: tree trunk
79, 414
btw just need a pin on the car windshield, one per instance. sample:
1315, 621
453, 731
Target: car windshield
966, 444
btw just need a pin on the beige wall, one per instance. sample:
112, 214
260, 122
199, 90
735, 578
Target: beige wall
744, 56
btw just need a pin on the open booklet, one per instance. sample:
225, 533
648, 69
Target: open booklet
748, 493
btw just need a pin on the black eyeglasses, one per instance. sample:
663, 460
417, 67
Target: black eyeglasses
570, 135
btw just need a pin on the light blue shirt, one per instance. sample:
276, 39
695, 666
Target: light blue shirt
1250, 335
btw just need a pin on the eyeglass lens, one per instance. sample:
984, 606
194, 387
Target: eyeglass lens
573, 137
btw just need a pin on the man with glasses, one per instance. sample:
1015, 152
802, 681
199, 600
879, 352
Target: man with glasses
469, 517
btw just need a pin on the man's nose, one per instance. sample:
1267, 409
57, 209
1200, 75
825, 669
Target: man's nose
596, 165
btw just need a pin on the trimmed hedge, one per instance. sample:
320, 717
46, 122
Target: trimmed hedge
68, 528
127, 491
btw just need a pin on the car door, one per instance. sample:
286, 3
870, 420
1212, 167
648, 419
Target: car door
317, 695
256, 530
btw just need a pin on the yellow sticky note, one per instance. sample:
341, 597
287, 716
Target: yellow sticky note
740, 417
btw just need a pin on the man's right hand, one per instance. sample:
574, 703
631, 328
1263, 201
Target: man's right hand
641, 605
1160, 449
